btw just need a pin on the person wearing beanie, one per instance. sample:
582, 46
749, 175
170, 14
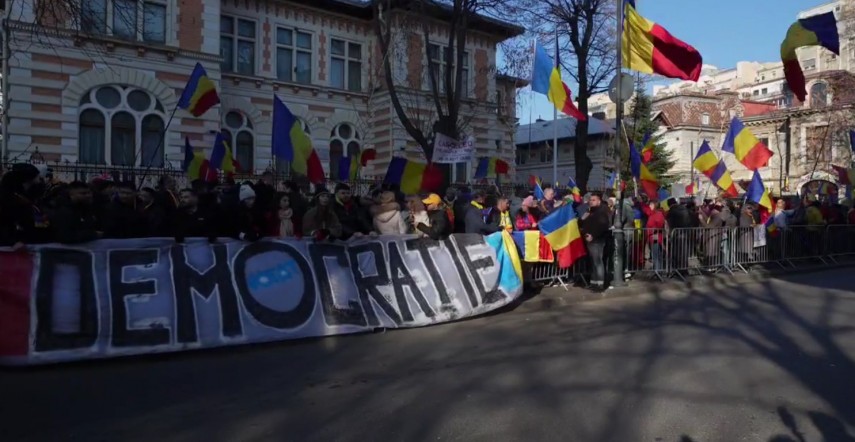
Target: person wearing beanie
528, 215
75, 221
248, 224
22, 220
121, 219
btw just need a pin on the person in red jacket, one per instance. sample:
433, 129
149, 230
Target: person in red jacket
527, 218
654, 232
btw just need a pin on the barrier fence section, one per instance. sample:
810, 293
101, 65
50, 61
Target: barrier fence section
680, 253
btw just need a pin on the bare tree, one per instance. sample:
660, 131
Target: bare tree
585, 30
396, 19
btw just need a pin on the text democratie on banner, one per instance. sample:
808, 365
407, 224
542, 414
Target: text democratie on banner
124, 297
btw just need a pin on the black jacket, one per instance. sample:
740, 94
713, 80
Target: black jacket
597, 223
678, 217
439, 226
352, 219
249, 226
474, 220
155, 221
22, 221
122, 221
75, 224
198, 224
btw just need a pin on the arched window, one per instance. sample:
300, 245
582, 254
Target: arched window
121, 126
819, 94
344, 141
241, 137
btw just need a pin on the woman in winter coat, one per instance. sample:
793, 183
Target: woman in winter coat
320, 221
386, 215
282, 220
417, 214
527, 218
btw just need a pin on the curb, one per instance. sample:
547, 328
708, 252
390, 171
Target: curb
547, 298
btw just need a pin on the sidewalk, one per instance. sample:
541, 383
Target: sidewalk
556, 296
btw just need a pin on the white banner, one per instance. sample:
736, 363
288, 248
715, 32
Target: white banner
126, 297
447, 150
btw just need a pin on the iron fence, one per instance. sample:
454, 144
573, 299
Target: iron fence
680, 253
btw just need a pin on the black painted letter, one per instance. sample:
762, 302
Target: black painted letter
122, 336
81, 263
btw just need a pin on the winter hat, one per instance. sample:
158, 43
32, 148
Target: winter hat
25, 172
529, 202
246, 192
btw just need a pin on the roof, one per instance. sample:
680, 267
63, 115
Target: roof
544, 130
517, 81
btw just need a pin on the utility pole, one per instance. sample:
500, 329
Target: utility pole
617, 279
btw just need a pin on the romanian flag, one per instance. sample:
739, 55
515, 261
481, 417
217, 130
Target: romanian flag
748, 149
221, 156
757, 192
348, 168
708, 164
290, 143
195, 165
771, 227
538, 187
648, 144
412, 177
200, 94
574, 190
642, 174
490, 167
649, 48
819, 30
534, 246
561, 229
546, 79
844, 176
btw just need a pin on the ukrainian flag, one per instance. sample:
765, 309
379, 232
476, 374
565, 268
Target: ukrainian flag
561, 229
200, 94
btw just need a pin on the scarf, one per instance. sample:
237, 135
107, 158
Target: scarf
286, 226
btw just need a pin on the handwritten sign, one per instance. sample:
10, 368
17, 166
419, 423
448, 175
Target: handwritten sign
447, 150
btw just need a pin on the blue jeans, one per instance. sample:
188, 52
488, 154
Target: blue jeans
656, 254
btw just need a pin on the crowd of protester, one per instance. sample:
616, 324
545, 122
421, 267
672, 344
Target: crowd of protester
36, 209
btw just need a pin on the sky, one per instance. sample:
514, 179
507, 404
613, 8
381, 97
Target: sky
723, 31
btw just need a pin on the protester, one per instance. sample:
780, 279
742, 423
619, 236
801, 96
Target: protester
248, 225
321, 222
281, 219
386, 214
152, 214
438, 226
416, 214
595, 228
21, 219
654, 233
348, 213
75, 220
192, 220
121, 219
475, 219
549, 202
527, 216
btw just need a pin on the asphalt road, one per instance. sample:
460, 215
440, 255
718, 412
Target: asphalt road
770, 362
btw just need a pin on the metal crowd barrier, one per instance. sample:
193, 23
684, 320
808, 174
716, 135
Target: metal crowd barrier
679, 253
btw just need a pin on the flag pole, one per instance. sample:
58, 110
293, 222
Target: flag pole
617, 278
555, 120
157, 149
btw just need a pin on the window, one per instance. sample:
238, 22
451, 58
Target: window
460, 172
136, 20
819, 95
344, 141
546, 153
500, 103
293, 55
240, 135
756, 92
346, 65
114, 121
809, 64
705, 119
765, 141
764, 91
521, 156
237, 45
438, 67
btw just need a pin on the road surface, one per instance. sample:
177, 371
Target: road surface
769, 362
